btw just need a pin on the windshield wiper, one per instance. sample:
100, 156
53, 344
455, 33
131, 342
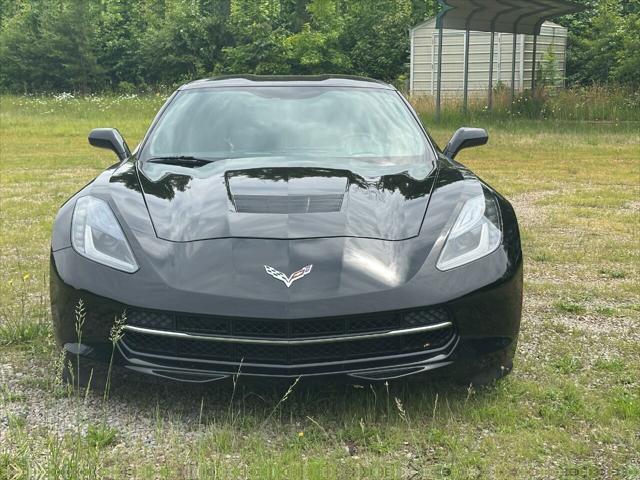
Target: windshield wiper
187, 160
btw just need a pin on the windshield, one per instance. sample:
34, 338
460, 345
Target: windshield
228, 123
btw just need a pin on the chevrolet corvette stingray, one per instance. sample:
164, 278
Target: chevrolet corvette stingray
285, 227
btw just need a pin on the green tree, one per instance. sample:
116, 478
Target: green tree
118, 41
376, 37
603, 42
547, 70
258, 39
627, 68
183, 40
20, 49
50, 45
8, 8
70, 38
316, 47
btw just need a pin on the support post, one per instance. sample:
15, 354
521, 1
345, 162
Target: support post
533, 68
465, 98
490, 102
513, 70
439, 91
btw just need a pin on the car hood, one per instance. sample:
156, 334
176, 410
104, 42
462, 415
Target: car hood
280, 198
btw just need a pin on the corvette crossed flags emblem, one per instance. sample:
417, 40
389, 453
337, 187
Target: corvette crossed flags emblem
290, 279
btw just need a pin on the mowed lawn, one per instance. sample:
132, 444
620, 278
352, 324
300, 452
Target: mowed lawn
570, 409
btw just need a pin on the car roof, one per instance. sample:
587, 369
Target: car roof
287, 80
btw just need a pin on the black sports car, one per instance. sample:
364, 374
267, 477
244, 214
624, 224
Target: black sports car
287, 227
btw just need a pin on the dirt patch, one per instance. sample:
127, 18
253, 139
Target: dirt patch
529, 214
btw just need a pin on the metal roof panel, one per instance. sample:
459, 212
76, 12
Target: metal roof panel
507, 16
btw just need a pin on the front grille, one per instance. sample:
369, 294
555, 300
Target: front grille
151, 319
212, 325
283, 353
292, 329
286, 354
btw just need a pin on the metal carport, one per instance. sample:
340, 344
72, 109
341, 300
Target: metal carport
506, 16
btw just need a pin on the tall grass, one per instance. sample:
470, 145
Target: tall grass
24, 317
585, 104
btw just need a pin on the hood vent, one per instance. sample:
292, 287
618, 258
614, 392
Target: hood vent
288, 203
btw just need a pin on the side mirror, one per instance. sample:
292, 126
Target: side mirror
465, 138
111, 139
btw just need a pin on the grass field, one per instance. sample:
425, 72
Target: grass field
570, 409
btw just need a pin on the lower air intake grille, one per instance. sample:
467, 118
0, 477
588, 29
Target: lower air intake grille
295, 329
287, 354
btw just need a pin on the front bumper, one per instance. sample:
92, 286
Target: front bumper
462, 336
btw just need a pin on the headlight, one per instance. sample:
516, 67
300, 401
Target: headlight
477, 232
96, 234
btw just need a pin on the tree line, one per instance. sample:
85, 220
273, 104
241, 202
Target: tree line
127, 45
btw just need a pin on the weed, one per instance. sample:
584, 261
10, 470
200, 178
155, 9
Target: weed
100, 435
569, 307
567, 364
16, 422
115, 335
